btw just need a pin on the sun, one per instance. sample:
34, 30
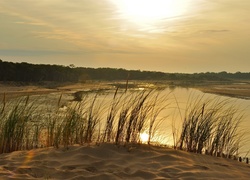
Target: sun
150, 11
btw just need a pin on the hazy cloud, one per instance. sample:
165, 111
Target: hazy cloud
211, 34
32, 23
215, 31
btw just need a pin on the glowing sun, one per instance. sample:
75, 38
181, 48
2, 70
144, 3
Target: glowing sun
150, 11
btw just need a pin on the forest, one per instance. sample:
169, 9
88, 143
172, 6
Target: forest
35, 73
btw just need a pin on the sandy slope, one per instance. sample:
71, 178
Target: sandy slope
108, 161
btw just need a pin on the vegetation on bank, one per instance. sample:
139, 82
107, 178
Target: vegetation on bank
39, 73
209, 126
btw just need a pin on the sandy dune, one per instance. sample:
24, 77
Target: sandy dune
108, 161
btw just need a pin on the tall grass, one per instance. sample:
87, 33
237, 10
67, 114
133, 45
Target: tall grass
209, 125
15, 126
79, 123
112, 113
133, 114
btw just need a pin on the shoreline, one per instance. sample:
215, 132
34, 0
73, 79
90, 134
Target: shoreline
8, 91
241, 91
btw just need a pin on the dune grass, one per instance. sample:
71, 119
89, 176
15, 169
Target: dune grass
209, 126
15, 126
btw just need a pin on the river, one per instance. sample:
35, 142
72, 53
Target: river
176, 101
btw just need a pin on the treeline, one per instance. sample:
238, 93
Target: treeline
25, 72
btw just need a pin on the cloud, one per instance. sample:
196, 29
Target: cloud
32, 23
86, 25
214, 31
80, 25
73, 29
18, 52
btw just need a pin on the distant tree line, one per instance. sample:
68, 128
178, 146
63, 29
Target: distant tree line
25, 72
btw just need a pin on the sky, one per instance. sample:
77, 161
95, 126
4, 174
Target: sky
184, 36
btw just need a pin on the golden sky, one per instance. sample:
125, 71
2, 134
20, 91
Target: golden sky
157, 35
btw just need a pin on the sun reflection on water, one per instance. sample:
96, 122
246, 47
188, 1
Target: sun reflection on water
144, 137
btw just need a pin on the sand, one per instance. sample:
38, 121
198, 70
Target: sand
9, 91
233, 90
108, 161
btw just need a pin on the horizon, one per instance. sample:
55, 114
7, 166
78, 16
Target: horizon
161, 35
142, 70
